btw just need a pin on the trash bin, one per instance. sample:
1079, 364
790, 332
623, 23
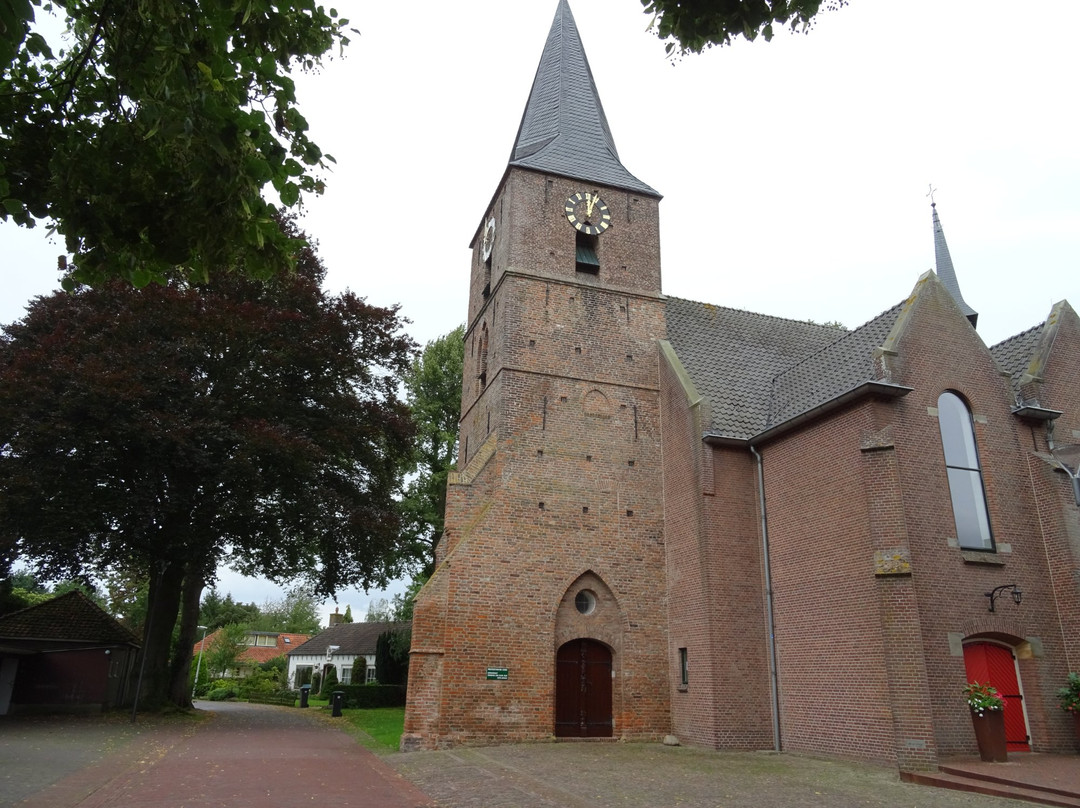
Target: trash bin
339, 700
305, 691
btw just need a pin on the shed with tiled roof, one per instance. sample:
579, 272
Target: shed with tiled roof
66, 653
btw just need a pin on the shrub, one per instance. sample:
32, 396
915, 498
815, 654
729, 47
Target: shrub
259, 682
1069, 696
279, 666
221, 693
316, 681
373, 695
359, 670
391, 664
330, 682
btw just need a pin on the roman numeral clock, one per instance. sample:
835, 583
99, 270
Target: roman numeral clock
588, 213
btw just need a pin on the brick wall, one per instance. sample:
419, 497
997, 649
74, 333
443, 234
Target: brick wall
572, 492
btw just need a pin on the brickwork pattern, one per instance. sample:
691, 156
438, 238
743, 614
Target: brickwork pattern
831, 649
573, 493
950, 583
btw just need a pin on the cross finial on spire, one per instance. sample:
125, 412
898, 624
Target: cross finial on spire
930, 194
945, 266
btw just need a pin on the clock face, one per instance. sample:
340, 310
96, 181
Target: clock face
588, 213
488, 240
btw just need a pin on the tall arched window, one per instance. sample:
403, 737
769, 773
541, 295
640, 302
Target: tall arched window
965, 474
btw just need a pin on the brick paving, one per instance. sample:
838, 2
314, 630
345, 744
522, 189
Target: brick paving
615, 775
242, 755
253, 755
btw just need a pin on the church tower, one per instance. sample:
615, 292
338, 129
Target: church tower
546, 614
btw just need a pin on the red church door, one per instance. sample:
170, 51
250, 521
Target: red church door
583, 690
994, 664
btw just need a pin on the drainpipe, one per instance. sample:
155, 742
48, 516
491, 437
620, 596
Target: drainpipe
775, 692
1074, 476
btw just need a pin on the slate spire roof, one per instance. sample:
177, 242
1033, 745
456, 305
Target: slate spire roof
564, 130
945, 270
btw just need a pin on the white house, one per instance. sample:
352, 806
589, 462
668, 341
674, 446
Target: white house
338, 647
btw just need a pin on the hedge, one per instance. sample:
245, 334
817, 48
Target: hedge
364, 696
286, 697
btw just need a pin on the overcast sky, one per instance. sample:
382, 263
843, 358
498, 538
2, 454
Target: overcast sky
794, 172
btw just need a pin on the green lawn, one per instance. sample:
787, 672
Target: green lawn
379, 727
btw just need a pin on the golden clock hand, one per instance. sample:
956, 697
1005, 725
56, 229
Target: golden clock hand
588, 204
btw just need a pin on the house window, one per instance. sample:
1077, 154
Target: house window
684, 668
346, 675
264, 640
371, 673
965, 473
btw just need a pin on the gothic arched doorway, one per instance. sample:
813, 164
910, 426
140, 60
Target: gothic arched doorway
995, 664
583, 690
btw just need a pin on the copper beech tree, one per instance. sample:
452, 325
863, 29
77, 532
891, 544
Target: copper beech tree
171, 429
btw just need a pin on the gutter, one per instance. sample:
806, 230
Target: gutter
771, 624
869, 388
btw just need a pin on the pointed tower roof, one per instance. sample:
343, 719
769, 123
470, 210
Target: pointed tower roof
945, 270
564, 130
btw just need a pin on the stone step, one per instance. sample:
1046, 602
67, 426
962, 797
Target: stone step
1005, 780
994, 787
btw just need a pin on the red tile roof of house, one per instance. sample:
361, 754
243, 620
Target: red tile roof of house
257, 654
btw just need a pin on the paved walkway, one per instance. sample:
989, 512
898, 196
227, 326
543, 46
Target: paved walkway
616, 775
243, 755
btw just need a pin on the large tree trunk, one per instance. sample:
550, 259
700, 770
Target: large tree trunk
180, 667
163, 606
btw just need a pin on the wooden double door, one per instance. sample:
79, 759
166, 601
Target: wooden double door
583, 690
994, 664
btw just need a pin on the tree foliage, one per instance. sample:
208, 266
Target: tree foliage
169, 429
433, 386
391, 666
223, 651
21, 589
217, 611
359, 670
378, 611
148, 133
691, 26
296, 613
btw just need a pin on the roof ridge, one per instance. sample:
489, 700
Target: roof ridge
839, 328
1018, 335
852, 333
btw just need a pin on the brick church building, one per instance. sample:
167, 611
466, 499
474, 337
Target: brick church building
675, 518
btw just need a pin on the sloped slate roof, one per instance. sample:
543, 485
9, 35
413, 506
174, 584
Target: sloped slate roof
732, 357
831, 371
564, 130
352, 639
68, 618
1015, 353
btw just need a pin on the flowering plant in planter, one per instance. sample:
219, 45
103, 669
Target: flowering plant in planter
1069, 696
981, 698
